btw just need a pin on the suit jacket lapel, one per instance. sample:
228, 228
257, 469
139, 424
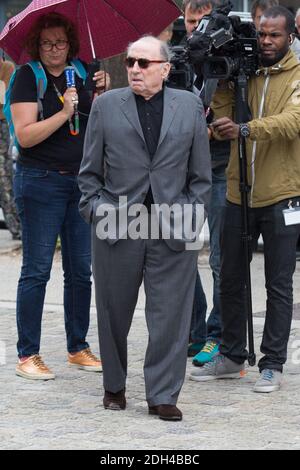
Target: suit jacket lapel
170, 108
130, 110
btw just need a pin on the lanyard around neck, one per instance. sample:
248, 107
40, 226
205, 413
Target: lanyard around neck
74, 130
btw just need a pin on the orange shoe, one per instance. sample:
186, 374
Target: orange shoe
84, 360
34, 368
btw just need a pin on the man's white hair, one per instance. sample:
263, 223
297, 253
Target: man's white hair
165, 52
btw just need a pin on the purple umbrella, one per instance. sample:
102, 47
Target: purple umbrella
105, 26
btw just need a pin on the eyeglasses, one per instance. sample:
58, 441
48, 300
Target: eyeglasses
47, 46
142, 63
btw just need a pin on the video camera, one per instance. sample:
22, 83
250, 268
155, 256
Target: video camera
222, 46
181, 75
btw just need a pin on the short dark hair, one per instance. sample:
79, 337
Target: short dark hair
263, 5
51, 20
195, 5
279, 10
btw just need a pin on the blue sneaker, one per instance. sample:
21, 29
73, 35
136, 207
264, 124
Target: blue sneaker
195, 348
210, 350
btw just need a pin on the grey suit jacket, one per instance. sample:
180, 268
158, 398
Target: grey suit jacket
116, 161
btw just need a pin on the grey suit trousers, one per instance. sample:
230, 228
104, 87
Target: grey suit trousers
169, 280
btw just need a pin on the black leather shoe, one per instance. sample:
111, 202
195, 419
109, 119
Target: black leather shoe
114, 401
166, 412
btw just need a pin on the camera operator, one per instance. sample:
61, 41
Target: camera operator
273, 146
257, 9
205, 337
193, 12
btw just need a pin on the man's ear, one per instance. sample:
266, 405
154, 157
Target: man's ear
291, 38
166, 70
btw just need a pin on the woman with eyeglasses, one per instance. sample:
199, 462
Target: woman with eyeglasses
50, 133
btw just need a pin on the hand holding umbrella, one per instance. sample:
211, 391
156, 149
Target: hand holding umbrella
105, 27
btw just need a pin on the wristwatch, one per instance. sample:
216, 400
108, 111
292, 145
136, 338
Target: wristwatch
244, 130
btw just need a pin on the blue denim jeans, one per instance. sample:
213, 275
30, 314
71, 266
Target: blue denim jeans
200, 330
47, 203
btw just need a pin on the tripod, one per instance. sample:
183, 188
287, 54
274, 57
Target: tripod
243, 115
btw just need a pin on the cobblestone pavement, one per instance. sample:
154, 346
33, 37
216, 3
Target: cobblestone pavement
67, 413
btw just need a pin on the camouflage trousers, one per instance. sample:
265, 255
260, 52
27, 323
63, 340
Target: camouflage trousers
6, 190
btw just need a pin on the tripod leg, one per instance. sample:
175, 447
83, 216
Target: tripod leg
247, 242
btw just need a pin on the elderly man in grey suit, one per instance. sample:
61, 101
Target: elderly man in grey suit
146, 144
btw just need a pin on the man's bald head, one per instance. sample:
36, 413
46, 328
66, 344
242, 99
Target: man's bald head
156, 45
147, 66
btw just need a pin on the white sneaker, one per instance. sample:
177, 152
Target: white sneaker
269, 381
220, 367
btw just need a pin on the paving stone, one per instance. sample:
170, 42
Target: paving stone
68, 414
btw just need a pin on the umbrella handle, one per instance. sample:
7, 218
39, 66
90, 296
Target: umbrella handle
89, 31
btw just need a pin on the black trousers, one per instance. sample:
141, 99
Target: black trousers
280, 261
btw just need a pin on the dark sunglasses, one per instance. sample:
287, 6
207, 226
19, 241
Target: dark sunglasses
142, 63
